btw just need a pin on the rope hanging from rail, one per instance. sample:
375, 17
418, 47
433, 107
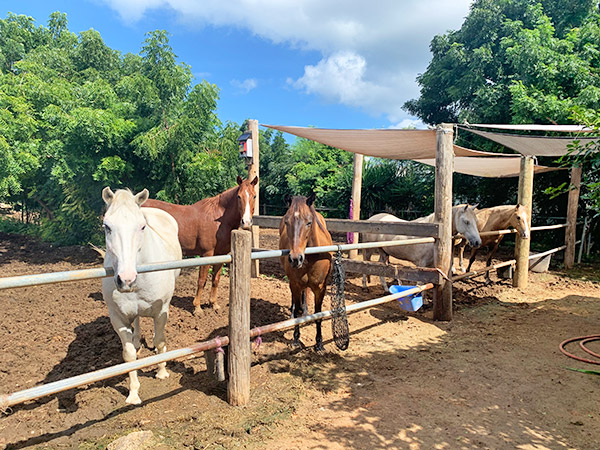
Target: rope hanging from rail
339, 322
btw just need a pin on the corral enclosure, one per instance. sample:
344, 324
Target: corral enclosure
491, 378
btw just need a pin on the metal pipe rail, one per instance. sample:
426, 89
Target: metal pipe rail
33, 393
101, 272
513, 231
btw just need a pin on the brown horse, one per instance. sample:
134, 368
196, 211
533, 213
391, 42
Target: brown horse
302, 226
495, 219
205, 228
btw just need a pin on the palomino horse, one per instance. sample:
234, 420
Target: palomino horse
463, 221
302, 226
205, 228
136, 236
495, 219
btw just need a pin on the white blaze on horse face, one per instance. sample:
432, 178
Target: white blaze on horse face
247, 216
522, 222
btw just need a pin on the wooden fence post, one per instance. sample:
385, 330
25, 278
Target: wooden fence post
444, 167
238, 388
253, 171
356, 195
521, 277
570, 233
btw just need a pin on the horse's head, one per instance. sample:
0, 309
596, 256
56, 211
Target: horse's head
246, 196
520, 220
124, 225
465, 222
298, 221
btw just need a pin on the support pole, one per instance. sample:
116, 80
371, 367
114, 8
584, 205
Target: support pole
522, 245
253, 171
444, 167
356, 196
572, 217
238, 388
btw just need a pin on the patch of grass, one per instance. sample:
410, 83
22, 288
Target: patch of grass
584, 272
13, 226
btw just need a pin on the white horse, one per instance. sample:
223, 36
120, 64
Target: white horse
136, 236
464, 222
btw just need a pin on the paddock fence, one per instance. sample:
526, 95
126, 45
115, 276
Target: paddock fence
236, 279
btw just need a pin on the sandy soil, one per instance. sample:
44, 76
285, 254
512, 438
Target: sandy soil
492, 378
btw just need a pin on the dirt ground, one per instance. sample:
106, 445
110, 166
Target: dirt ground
493, 378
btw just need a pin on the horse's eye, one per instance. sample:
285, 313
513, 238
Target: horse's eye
467, 222
309, 223
106, 228
143, 227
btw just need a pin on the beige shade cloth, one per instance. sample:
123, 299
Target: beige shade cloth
532, 127
384, 143
489, 167
532, 145
419, 145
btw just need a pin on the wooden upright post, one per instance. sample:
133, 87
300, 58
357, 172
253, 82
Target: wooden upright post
444, 167
570, 233
253, 171
521, 278
238, 388
356, 195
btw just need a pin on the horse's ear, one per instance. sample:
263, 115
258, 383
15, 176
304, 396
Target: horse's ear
288, 199
107, 195
239, 180
311, 199
141, 197
254, 181
474, 207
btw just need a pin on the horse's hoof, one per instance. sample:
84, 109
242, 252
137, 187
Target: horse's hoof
319, 347
162, 374
296, 344
215, 307
198, 311
133, 399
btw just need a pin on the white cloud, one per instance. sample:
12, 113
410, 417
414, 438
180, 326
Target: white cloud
371, 51
245, 86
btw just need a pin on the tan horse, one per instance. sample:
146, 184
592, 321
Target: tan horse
464, 221
205, 228
303, 227
495, 219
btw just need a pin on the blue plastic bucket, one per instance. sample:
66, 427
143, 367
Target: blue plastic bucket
411, 302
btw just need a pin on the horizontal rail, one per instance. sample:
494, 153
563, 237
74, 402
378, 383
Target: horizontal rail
364, 226
512, 231
477, 272
549, 227
101, 272
547, 252
33, 393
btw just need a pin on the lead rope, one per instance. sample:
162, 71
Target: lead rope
339, 321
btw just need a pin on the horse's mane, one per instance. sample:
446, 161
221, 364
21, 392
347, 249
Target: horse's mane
315, 214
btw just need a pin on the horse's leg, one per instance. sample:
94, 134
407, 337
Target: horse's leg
159, 342
472, 258
319, 296
125, 332
216, 277
384, 257
489, 260
137, 334
366, 278
202, 276
297, 310
461, 255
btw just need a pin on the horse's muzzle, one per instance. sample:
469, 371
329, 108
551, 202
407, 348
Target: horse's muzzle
296, 261
475, 242
125, 284
246, 225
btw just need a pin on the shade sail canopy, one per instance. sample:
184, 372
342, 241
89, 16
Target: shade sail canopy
489, 167
532, 127
533, 145
418, 145
386, 143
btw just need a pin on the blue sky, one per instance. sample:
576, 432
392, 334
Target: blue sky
323, 63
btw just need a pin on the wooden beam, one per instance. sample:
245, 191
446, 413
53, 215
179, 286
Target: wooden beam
363, 226
572, 217
397, 272
356, 196
254, 171
520, 279
444, 168
238, 388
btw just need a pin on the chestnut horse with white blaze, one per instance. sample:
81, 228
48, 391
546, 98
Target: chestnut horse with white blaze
136, 236
495, 219
205, 228
301, 227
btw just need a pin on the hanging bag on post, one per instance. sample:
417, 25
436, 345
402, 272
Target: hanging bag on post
339, 321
